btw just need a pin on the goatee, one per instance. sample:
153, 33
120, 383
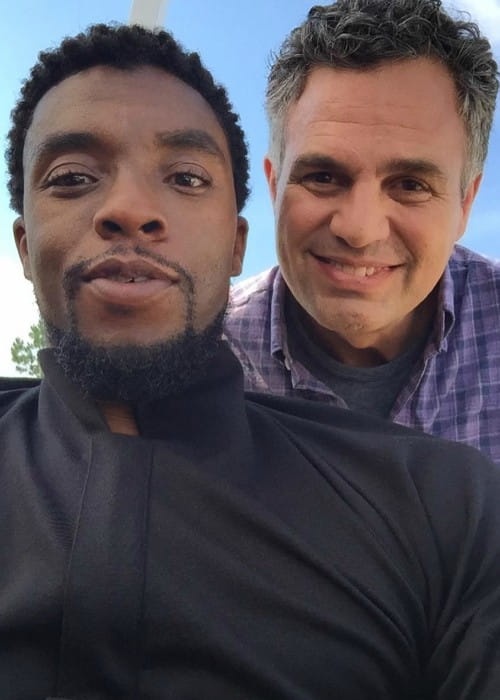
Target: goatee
136, 373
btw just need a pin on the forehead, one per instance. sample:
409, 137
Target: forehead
405, 104
122, 103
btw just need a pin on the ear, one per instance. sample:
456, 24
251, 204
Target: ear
240, 244
22, 245
467, 202
271, 177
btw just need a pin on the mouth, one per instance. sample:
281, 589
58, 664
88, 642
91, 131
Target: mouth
129, 272
125, 283
355, 271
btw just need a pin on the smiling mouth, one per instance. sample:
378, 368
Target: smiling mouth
358, 271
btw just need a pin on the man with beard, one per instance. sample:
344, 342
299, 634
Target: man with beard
162, 535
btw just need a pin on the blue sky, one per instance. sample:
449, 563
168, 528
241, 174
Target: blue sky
235, 39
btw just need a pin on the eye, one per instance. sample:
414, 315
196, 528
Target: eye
322, 177
411, 185
410, 190
321, 182
188, 177
189, 180
68, 178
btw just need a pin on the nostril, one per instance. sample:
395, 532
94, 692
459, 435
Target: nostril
151, 226
128, 225
111, 226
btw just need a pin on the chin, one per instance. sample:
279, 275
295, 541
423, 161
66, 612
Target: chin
132, 368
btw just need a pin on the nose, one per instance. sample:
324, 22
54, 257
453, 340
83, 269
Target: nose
131, 208
361, 217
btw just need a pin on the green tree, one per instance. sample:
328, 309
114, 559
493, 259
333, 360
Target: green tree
24, 352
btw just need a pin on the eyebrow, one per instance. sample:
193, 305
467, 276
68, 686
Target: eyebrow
64, 141
193, 139
319, 161
59, 143
419, 166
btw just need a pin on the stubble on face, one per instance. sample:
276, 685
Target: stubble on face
132, 372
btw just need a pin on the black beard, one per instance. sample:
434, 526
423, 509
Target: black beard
131, 372
136, 373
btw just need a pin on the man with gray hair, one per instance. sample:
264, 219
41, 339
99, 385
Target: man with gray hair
380, 114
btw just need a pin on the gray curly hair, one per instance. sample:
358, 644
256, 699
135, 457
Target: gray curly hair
360, 34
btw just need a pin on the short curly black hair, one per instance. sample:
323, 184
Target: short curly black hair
124, 47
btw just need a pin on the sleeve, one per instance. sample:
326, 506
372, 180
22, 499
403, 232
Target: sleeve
462, 496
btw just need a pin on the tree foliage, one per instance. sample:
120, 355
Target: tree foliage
24, 353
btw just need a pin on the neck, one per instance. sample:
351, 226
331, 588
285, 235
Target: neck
120, 417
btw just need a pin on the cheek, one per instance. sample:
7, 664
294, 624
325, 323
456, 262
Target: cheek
429, 242
431, 239
207, 255
208, 240
212, 275
300, 215
54, 235
47, 266
50, 242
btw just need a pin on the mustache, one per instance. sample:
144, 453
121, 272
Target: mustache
73, 276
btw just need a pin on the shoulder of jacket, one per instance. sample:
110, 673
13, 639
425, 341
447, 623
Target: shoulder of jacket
16, 383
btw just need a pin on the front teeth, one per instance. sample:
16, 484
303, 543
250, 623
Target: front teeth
128, 280
355, 271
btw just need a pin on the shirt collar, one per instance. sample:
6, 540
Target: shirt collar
445, 314
206, 410
279, 345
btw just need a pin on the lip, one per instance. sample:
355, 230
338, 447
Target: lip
126, 282
129, 268
354, 274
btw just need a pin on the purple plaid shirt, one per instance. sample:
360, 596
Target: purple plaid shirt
453, 391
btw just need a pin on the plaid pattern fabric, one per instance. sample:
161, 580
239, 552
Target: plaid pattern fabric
454, 390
